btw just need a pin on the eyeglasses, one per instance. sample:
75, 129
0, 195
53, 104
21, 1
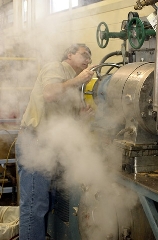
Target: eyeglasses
86, 56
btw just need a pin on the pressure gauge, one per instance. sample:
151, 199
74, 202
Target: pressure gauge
132, 15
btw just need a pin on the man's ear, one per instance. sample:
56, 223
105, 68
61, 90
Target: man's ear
69, 55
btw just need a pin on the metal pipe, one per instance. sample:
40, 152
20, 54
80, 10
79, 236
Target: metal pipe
155, 90
140, 4
148, 2
116, 53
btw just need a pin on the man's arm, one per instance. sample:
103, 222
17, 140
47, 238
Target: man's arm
54, 91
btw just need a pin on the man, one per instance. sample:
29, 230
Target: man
55, 94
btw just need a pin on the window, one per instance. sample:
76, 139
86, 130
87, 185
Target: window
6, 14
60, 5
25, 10
87, 2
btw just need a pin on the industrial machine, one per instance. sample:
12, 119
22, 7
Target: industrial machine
125, 98
129, 96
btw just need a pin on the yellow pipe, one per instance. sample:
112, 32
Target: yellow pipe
17, 59
20, 59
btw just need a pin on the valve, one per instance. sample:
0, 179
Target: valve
104, 34
137, 33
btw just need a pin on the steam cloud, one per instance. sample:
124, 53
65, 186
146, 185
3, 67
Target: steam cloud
87, 164
87, 168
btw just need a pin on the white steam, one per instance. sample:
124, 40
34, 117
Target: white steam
68, 142
87, 168
90, 162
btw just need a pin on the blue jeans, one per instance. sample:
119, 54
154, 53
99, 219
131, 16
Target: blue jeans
36, 199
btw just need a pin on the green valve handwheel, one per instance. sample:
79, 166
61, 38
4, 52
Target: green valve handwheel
102, 35
136, 33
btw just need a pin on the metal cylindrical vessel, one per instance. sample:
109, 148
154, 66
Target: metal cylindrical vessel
130, 96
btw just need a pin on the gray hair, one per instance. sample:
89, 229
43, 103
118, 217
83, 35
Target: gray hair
73, 49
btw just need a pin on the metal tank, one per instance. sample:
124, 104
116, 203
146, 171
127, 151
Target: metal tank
130, 94
124, 118
125, 115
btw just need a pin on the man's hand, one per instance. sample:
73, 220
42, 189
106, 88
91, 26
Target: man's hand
85, 76
86, 112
